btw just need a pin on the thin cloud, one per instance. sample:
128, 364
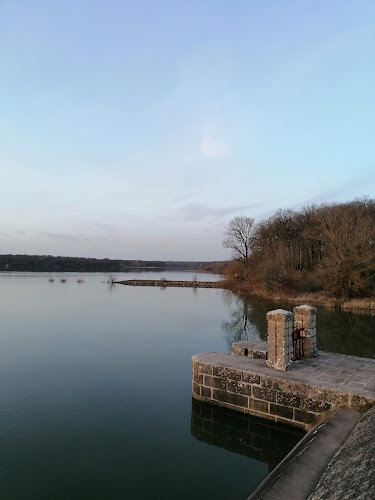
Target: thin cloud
60, 236
346, 190
195, 212
212, 147
105, 226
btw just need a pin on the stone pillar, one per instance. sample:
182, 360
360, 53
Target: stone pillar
280, 343
305, 318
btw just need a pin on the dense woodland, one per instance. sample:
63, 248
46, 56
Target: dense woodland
330, 247
81, 264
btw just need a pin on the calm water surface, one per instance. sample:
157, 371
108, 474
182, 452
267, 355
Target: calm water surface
95, 392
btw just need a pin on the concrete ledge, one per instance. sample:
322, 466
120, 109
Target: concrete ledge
298, 474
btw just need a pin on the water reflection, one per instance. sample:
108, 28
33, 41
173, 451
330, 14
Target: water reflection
247, 320
346, 333
262, 440
341, 332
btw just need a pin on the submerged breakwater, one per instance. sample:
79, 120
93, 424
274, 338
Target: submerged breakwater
163, 283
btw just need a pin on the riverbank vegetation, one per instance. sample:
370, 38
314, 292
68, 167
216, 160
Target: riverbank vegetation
325, 251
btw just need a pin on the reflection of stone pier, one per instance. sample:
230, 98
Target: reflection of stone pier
261, 440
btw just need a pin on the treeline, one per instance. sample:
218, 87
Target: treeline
49, 263
215, 267
330, 247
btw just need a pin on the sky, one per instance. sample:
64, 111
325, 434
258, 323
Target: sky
139, 129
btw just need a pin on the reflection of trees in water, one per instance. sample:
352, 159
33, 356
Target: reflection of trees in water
346, 332
337, 331
245, 322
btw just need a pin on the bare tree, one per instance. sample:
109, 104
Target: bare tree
237, 237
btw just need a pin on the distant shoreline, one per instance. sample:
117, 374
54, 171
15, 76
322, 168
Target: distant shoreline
49, 263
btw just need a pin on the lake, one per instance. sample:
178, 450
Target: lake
96, 391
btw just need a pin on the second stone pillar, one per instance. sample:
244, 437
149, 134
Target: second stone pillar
279, 338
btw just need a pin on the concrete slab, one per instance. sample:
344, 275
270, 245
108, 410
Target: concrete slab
299, 473
351, 473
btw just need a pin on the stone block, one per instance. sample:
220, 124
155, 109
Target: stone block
230, 398
271, 363
217, 383
239, 388
223, 372
303, 416
250, 378
288, 399
359, 402
202, 368
271, 325
305, 310
284, 343
271, 383
196, 389
259, 406
206, 392
281, 411
279, 315
265, 394
315, 406
282, 366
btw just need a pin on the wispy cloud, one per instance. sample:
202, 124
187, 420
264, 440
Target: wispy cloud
212, 145
197, 211
344, 191
59, 236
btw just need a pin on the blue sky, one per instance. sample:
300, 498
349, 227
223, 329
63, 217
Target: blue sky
139, 129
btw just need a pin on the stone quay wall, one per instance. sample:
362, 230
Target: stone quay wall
296, 397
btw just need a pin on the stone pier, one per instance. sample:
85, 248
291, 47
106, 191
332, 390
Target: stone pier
287, 380
299, 396
266, 379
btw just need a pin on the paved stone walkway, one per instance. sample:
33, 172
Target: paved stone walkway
336, 371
